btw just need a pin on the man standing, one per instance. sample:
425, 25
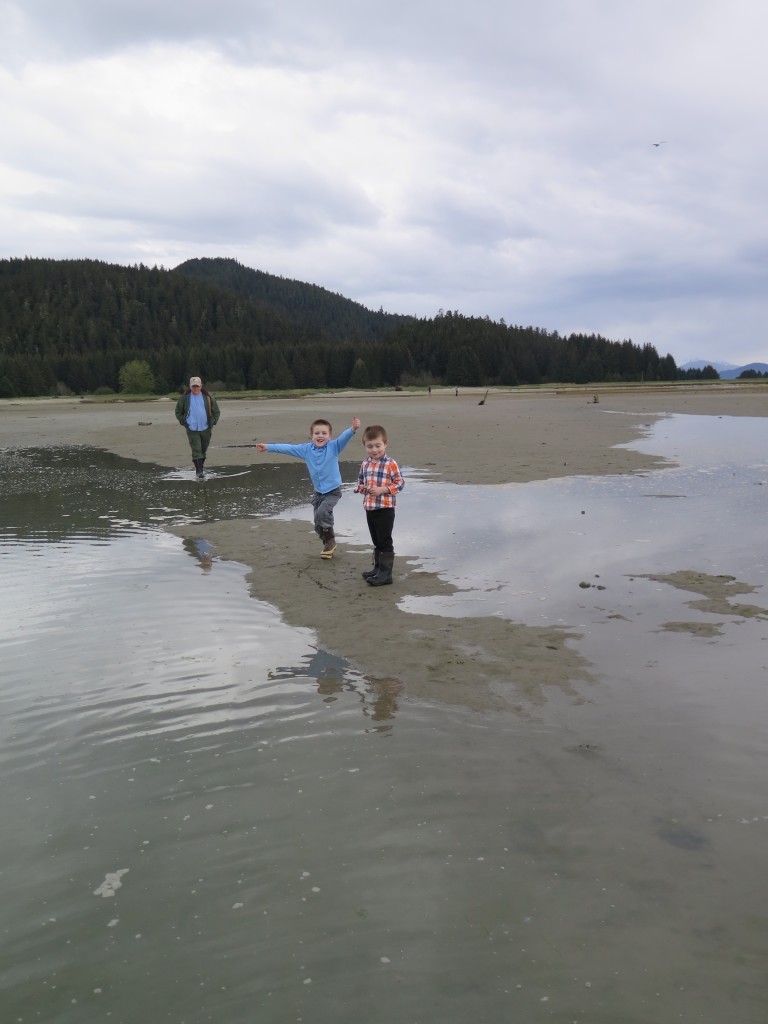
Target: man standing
198, 412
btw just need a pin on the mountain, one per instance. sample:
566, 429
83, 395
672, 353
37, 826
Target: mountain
736, 371
307, 305
699, 364
727, 371
73, 326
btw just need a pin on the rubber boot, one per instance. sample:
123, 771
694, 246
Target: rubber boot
384, 575
372, 572
329, 543
199, 468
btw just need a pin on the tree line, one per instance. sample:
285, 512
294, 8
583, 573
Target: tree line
70, 326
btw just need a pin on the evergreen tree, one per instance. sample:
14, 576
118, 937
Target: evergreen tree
359, 378
464, 368
280, 372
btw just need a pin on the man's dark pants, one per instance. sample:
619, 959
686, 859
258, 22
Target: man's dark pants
199, 441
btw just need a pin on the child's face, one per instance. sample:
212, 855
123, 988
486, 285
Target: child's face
375, 447
321, 435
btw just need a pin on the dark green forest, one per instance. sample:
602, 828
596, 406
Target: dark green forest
300, 303
69, 326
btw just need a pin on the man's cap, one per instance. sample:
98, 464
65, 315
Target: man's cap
195, 380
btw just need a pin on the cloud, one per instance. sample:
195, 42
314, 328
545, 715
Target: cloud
493, 158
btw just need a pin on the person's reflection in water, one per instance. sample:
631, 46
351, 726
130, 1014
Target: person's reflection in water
381, 704
378, 697
202, 550
326, 669
328, 686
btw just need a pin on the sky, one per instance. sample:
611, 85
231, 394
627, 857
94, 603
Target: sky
494, 158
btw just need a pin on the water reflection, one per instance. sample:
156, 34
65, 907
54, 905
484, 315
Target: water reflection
521, 551
385, 697
62, 492
161, 729
379, 698
202, 550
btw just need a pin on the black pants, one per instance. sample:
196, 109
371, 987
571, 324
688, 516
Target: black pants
381, 522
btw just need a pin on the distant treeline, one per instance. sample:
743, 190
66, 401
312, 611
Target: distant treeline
70, 326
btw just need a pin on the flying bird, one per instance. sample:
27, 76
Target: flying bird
657, 144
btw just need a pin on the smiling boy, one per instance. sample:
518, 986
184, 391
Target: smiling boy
380, 480
321, 454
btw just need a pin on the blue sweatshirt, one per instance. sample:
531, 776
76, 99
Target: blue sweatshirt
322, 463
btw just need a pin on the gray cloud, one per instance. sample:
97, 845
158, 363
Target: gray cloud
493, 158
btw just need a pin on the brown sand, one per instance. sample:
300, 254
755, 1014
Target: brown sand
514, 436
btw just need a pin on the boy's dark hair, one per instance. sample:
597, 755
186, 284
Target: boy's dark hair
320, 423
374, 431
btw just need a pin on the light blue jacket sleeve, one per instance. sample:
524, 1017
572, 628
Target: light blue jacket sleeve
344, 438
299, 451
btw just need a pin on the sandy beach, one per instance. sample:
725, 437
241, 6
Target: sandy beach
515, 436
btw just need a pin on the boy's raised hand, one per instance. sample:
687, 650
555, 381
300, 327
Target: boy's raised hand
355, 423
261, 447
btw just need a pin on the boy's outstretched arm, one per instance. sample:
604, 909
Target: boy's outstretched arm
346, 436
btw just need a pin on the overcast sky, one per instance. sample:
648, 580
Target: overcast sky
493, 157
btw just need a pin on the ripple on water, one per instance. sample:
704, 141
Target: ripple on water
113, 673
294, 841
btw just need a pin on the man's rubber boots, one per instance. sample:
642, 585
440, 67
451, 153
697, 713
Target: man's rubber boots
384, 575
199, 468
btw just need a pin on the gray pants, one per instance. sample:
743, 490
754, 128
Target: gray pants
324, 504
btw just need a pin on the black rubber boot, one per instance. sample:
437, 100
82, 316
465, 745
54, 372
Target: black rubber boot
199, 468
372, 572
329, 543
384, 575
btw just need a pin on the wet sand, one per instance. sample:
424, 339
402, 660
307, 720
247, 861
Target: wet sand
515, 436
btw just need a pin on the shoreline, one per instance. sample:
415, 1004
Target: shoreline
515, 436
511, 438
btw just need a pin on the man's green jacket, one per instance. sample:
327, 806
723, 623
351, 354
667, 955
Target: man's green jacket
211, 407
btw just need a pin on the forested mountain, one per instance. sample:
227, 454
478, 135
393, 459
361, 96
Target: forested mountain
305, 304
72, 325
76, 322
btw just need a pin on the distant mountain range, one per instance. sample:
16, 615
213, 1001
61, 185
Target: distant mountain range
727, 371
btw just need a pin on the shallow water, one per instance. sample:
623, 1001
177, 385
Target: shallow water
208, 818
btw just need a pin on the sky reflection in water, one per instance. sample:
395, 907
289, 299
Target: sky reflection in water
296, 842
521, 550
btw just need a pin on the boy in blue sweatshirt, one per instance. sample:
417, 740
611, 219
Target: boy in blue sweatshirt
321, 455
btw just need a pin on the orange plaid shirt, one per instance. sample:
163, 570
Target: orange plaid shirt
377, 473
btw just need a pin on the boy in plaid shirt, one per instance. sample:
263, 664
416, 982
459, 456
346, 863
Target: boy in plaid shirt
380, 481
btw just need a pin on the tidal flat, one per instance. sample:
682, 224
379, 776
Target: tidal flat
527, 781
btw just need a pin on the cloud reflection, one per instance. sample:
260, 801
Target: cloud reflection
521, 550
